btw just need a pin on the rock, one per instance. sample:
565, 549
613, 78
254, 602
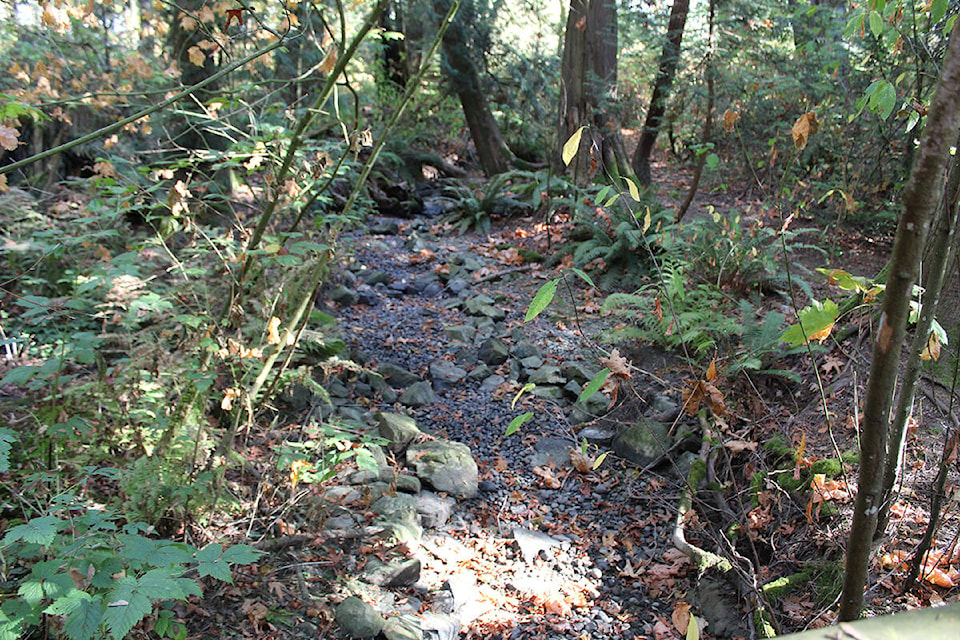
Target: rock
375, 277
403, 627
491, 383
341, 495
418, 395
445, 466
457, 285
387, 504
531, 363
343, 296
363, 476
445, 374
408, 484
444, 627
547, 451
460, 332
401, 527
531, 542
392, 574
601, 436
366, 295
547, 374
643, 443
397, 429
525, 349
384, 228
434, 511
484, 305
577, 372
396, 376
357, 619
488, 486
493, 352
480, 372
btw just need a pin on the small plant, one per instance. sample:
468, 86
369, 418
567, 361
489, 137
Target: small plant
79, 571
760, 345
475, 207
317, 458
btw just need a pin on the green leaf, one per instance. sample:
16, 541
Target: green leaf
19, 375
123, 613
219, 570
816, 322
883, 99
163, 586
876, 23
241, 554
7, 437
210, 553
540, 301
571, 146
938, 9
517, 422
594, 385
41, 531
693, 629
602, 194
84, 614
583, 276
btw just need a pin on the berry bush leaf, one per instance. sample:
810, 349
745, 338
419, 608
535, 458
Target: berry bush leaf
41, 531
540, 301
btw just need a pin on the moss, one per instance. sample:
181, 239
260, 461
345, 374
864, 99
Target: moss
782, 586
758, 481
780, 447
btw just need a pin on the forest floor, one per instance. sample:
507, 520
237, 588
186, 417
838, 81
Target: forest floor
553, 546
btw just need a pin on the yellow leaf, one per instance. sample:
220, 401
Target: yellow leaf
3, 184
571, 146
712, 371
805, 126
8, 138
196, 55
188, 23
646, 221
273, 333
632, 187
329, 61
206, 14
730, 118
693, 629
821, 335
932, 350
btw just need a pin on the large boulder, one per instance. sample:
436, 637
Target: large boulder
357, 619
397, 429
445, 466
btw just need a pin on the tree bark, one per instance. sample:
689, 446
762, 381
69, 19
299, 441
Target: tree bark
462, 73
669, 59
589, 71
920, 200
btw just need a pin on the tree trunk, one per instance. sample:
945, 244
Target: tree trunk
589, 74
920, 200
461, 71
669, 60
183, 41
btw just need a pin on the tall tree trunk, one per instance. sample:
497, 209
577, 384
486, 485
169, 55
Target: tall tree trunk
590, 89
920, 200
669, 59
462, 72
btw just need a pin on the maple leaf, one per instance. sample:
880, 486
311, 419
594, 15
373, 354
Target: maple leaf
8, 138
681, 616
831, 363
188, 23
730, 118
273, 333
582, 462
547, 478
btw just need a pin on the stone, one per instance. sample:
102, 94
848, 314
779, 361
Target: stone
484, 305
403, 627
341, 495
531, 542
442, 626
375, 277
531, 363
418, 395
525, 349
493, 352
434, 511
384, 228
547, 374
343, 296
457, 285
445, 466
396, 376
357, 619
397, 429
363, 476
491, 383
601, 436
480, 372
401, 527
643, 443
388, 504
460, 332
367, 296
408, 484
551, 451
392, 574
445, 374
577, 372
